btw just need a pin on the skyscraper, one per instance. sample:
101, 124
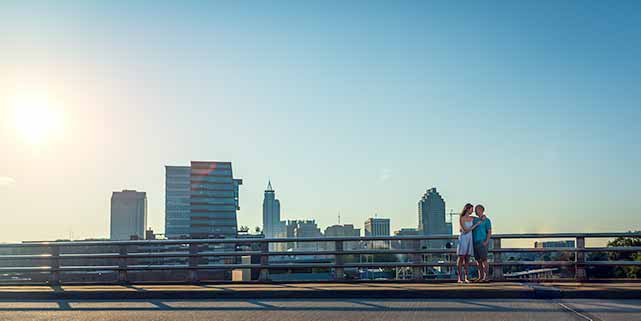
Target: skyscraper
271, 213
177, 201
431, 216
212, 200
408, 244
128, 215
377, 227
302, 229
342, 231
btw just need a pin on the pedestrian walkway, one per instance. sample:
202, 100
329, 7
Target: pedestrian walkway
620, 290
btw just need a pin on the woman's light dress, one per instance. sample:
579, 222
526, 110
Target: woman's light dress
465, 245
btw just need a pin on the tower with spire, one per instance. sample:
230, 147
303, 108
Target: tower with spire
271, 212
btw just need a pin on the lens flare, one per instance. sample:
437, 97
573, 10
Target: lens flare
36, 118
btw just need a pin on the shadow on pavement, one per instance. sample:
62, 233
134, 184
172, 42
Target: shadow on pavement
350, 305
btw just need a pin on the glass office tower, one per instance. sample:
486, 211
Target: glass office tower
201, 200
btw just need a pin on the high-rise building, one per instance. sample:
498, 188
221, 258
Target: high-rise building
272, 225
377, 227
128, 215
345, 230
177, 201
431, 217
213, 200
303, 228
407, 244
342, 230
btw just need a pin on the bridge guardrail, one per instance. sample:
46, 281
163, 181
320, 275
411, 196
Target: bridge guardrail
194, 255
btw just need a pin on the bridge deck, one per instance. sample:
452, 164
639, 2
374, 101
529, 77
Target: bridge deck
322, 309
610, 290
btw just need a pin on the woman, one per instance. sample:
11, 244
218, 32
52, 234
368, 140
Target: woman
465, 247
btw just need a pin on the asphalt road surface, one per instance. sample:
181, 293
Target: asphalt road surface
323, 309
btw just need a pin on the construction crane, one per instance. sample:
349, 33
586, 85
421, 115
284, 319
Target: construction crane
451, 214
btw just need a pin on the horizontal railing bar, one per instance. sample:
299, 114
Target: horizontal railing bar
26, 257
158, 255
315, 239
302, 253
25, 269
364, 251
305, 265
546, 263
613, 263
611, 249
570, 249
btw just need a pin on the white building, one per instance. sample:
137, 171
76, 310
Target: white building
128, 215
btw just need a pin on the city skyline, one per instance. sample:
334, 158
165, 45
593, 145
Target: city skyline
357, 108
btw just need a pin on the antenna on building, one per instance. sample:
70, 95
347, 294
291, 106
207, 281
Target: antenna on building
339, 218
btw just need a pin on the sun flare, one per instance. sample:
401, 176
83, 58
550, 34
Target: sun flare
36, 118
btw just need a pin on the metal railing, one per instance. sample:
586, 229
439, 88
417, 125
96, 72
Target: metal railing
46, 262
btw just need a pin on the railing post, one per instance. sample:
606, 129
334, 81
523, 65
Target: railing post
579, 267
264, 262
122, 265
55, 265
417, 270
339, 270
497, 270
194, 248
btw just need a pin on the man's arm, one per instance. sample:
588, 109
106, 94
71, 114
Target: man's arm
489, 235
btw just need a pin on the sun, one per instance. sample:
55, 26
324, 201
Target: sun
36, 118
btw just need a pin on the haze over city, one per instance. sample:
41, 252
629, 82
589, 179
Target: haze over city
532, 111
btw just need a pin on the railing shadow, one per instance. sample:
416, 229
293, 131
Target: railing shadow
293, 305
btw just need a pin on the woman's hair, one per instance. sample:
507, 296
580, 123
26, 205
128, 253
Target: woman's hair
466, 208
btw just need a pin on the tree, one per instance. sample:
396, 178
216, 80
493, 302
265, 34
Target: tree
628, 271
599, 271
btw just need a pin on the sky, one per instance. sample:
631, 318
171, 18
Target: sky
530, 108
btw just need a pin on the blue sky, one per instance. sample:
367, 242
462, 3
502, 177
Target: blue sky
530, 108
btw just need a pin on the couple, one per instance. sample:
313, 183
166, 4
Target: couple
473, 241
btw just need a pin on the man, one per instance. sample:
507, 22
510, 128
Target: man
481, 236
